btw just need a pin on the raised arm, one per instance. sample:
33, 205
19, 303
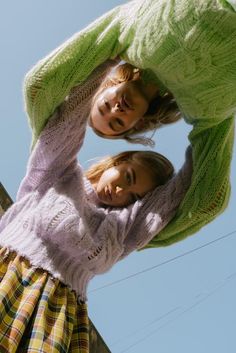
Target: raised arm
51, 79
158, 208
60, 141
209, 192
54, 152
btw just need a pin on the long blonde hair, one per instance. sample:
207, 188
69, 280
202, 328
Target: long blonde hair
162, 110
159, 166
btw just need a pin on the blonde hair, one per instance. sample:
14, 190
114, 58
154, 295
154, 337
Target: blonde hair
162, 110
159, 166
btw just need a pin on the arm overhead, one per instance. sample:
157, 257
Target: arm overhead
48, 83
158, 208
60, 141
209, 192
194, 60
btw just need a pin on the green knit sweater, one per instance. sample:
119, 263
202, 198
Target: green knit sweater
189, 47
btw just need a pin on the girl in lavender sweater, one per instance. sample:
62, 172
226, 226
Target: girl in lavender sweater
66, 227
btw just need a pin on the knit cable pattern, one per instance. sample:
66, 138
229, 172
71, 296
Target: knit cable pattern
188, 54
57, 222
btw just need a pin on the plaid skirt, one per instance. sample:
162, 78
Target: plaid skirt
38, 313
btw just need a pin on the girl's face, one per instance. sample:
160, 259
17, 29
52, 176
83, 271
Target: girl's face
117, 109
123, 184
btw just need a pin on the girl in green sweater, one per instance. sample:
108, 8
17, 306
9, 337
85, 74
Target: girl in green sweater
125, 105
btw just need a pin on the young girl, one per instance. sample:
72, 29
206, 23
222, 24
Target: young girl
62, 230
178, 49
126, 105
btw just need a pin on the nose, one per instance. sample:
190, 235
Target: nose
117, 108
121, 191
118, 190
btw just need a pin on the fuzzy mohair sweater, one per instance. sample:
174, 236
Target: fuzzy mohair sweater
57, 222
187, 47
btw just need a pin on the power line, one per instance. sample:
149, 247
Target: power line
164, 262
172, 311
159, 318
226, 281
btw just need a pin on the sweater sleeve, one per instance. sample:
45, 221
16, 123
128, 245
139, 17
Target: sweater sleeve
60, 141
158, 208
54, 153
48, 83
209, 192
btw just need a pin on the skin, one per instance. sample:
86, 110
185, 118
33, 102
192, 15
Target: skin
119, 108
122, 185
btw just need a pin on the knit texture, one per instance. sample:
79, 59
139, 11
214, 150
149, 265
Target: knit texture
188, 47
57, 222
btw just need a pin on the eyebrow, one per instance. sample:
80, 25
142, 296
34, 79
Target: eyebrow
133, 175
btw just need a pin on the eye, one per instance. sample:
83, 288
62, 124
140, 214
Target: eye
129, 178
119, 122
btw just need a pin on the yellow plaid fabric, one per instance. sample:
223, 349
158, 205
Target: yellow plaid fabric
37, 312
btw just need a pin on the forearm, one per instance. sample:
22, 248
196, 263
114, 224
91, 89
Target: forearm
159, 207
48, 159
60, 141
209, 192
50, 81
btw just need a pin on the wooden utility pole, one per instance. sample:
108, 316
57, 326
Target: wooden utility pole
96, 342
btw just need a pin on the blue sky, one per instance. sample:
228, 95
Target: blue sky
187, 305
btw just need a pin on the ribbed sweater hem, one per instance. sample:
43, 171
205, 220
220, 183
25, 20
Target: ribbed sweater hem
35, 250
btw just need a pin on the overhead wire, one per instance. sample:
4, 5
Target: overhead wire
164, 316
164, 262
189, 308
159, 318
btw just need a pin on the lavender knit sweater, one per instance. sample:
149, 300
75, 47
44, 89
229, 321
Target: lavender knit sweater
57, 222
